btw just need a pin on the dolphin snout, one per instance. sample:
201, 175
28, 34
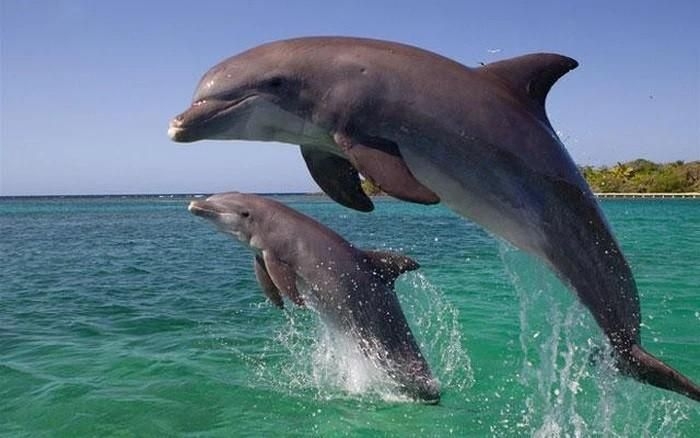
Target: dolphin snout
202, 209
176, 132
194, 207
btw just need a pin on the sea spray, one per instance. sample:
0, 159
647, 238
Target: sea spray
337, 362
565, 360
436, 326
316, 359
554, 366
132, 377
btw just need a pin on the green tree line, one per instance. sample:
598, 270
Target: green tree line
644, 176
638, 176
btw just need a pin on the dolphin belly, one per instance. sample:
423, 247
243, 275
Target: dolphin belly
553, 220
473, 193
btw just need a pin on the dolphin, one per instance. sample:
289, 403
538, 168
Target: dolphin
351, 289
427, 129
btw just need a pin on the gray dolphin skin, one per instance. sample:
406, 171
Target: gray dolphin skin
352, 290
427, 129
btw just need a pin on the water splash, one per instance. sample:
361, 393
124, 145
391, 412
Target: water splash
310, 357
338, 363
435, 323
568, 371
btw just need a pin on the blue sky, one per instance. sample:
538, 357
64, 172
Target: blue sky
88, 87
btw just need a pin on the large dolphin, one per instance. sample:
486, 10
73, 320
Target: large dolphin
351, 289
428, 129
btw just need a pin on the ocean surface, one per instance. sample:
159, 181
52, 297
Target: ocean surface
131, 317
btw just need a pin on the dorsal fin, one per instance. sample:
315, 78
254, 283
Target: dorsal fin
532, 74
390, 265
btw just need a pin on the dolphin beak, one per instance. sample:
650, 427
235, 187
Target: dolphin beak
210, 119
177, 133
202, 209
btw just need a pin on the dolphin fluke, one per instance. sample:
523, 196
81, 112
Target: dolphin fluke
641, 365
612, 299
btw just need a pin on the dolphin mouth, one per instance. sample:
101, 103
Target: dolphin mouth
184, 128
202, 209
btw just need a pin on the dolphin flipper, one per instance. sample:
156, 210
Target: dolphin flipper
337, 178
283, 277
266, 283
380, 161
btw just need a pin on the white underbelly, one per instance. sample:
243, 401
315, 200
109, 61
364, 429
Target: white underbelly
508, 218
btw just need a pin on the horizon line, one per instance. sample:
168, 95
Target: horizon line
686, 195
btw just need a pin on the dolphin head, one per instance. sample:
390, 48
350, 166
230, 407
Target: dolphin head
232, 213
256, 95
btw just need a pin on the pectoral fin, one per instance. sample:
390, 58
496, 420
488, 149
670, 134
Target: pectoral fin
283, 277
380, 161
268, 286
390, 265
337, 178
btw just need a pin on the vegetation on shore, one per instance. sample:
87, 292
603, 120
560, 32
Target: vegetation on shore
638, 176
644, 176
370, 188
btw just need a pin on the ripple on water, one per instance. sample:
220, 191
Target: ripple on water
133, 317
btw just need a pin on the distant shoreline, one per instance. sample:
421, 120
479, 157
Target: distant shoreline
140, 195
603, 195
688, 195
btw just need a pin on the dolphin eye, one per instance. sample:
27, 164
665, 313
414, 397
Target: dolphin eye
274, 82
245, 214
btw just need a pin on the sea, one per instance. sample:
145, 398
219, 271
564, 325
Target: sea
128, 316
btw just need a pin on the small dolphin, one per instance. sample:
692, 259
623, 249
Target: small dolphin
427, 129
351, 289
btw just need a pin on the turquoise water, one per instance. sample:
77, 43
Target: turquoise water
131, 317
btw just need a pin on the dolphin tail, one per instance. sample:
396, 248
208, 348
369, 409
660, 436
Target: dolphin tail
641, 365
